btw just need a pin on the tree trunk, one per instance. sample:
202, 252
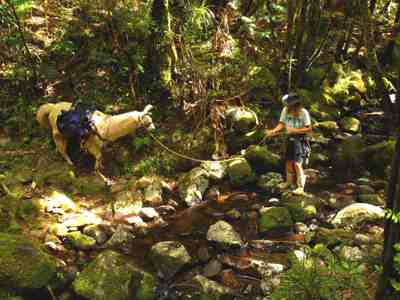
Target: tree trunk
160, 52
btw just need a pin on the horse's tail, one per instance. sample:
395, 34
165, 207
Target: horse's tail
42, 115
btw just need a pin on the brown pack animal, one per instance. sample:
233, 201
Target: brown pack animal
107, 128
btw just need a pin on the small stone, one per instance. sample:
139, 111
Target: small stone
224, 235
80, 240
149, 213
300, 228
213, 268
96, 232
58, 229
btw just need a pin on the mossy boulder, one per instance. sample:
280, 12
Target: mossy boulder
301, 207
169, 257
23, 264
240, 172
350, 124
241, 119
262, 160
327, 127
114, 276
358, 213
224, 235
80, 241
59, 175
275, 219
271, 183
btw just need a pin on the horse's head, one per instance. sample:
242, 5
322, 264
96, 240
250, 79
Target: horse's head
147, 121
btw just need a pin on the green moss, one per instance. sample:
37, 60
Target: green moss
24, 265
240, 172
111, 276
275, 218
262, 160
80, 240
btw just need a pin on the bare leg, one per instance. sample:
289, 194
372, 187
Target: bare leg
301, 179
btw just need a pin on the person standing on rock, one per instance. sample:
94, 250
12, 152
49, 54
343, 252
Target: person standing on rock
295, 119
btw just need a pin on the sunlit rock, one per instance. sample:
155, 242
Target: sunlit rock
224, 235
358, 213
80, 241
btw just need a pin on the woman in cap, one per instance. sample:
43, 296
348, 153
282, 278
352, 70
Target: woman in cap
295, 119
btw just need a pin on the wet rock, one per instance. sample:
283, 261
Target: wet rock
241, 119
192, 185
313, 176
59, 202
111, 276
148, 213
23, 264
169, 258
350, 124
271, 183
213, 268
262, 160
358, 213
373, 199
301, 207
212, 288
80, 219
126, 204
121, 239
97, 232
363, 181
215, 169
80, 240
224, 235
240, 172
58, 229
276, 219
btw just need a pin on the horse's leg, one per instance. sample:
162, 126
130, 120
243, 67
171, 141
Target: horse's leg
61, 146
94, 147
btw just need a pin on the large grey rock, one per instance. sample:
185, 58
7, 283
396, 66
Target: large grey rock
224, 235
192, 185
358, 213
114, 276
169, 257
216, 169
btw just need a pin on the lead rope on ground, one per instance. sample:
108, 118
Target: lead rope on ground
185, 156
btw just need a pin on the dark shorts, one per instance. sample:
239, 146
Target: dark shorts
298, 149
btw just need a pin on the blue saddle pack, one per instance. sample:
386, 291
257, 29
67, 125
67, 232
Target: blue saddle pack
76, 123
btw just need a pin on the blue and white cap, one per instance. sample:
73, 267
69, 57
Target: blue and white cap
290, 99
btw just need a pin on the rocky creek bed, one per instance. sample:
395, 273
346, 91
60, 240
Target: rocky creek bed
219, 230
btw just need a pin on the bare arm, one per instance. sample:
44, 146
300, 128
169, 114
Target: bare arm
302, 130
275, 131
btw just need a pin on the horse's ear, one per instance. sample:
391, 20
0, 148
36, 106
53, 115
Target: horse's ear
147, 109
